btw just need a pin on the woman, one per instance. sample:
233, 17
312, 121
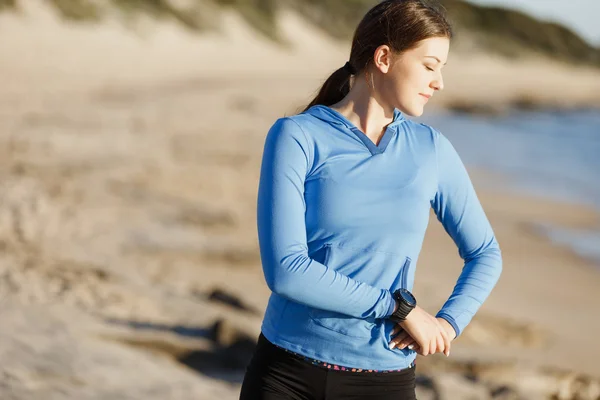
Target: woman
344, 197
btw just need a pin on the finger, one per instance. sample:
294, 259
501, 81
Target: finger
425, 349
423, 346
440, 345
396, 341
409, 341
396, 329
418, 349
447, 342
433, 346
413, 346
400, 337
443, 335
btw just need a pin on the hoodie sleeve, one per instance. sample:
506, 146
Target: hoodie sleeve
459, 210
288, 270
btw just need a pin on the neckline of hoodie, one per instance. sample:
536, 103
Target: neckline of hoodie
397, 119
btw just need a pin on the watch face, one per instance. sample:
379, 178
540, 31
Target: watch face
408, 297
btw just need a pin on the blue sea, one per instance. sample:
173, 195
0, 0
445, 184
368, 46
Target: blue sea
553, 154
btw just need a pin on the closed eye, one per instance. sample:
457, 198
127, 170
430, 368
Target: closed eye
429, 69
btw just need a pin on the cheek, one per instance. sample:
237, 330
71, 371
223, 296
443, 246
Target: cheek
419, 79
402, 86
407, 91
405, 86
412, 81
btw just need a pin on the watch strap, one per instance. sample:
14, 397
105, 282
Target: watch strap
403, 307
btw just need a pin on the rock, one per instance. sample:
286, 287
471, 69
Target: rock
505, 393
426, 389
454, 386
221, 296
45, 355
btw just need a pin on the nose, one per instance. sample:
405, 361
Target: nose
438, 83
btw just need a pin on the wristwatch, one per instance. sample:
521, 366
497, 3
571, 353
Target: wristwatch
406, 302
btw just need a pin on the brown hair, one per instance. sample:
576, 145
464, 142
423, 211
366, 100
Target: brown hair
400, 24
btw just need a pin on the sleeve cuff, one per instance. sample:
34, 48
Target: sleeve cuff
451, 321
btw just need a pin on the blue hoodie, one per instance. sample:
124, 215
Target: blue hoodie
341, 223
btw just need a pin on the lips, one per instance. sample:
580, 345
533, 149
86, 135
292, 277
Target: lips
427, 96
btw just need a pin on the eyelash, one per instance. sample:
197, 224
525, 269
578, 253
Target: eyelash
429, 69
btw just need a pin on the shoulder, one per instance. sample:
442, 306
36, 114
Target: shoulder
427, 136
432, 135
286, 126
424, 131
287, 137
306, 123
300, 128
287, 130
301, 123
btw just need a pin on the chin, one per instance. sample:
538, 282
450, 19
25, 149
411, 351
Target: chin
414, 111
411, 108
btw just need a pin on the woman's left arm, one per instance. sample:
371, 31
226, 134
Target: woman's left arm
459, 210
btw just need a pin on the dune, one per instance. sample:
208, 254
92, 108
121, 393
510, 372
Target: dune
46, 55
130, 269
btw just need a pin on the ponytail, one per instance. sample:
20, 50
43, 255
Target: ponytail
400, 24
335, 88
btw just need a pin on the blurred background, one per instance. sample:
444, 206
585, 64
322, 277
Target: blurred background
131, 138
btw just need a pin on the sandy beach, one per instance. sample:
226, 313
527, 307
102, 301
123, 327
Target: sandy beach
129, 170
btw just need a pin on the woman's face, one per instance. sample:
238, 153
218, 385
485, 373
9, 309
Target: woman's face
411, 78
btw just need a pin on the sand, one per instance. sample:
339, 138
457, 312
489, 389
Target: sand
48, 57
129, 168
546, 291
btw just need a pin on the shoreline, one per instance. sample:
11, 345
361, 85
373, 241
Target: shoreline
556, 232
131, 167
547, 292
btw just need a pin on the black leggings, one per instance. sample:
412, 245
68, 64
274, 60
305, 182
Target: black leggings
274, 374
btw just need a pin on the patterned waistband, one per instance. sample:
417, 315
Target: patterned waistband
335, 367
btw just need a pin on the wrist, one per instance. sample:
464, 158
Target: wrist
447, 327
405, 303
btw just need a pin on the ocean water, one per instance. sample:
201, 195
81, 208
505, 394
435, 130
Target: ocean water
553, 154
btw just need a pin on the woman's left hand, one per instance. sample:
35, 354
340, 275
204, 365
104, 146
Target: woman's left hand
401, 339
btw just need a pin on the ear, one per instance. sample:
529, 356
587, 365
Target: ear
382, 58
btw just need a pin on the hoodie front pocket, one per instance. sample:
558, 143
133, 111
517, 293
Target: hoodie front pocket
404, 276
378, 269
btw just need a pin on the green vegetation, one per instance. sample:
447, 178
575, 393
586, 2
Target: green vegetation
497, 30
260, 14
337, 18
512, 33
77, 10
7, 4
162, 9
90, 10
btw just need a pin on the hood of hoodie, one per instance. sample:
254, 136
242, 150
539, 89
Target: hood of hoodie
333, 117
336, 120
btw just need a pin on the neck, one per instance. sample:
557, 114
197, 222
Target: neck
365, 111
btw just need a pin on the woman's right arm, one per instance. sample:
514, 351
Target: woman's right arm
288, 270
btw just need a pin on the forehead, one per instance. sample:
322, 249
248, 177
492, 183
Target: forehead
436, 47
